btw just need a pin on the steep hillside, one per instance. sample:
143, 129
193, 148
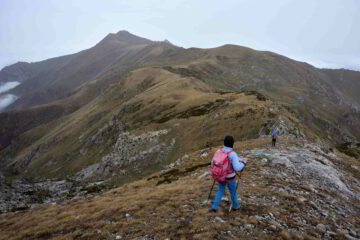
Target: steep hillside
17, 72
129, 106
147, 116
346, 81
56, 78
324, 99
187, 113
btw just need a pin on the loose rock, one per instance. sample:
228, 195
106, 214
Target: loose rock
248, 226
203, 175
272, 228
321, 227
218, 219
350, 237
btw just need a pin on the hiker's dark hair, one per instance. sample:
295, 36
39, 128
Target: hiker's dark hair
229, 141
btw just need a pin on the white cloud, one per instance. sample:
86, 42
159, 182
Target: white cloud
6, 100
8, 86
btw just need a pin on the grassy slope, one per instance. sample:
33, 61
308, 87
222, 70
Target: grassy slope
57, 78
169, 205
283, 80
170, 101
187, 85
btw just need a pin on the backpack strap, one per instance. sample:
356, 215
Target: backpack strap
229, 159
229, 154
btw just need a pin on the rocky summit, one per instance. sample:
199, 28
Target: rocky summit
115, 142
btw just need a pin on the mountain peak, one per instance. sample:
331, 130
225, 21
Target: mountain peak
168, 42
125, 37
124, 32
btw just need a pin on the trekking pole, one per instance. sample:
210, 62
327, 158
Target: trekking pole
239, 176
211, 190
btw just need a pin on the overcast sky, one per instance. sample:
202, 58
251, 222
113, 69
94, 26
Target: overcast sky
325, 33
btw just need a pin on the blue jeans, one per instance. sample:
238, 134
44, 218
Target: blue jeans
220, 193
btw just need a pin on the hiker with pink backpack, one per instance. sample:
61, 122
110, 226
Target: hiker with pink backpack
224, 165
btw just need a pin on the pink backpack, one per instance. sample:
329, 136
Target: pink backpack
221, 165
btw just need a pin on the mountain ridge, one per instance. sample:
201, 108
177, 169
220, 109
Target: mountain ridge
141, 87
134, 120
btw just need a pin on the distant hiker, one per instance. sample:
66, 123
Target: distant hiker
223, 166
274, 136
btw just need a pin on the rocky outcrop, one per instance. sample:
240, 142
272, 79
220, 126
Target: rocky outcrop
312, 165
22, 194
283, 126
130, 152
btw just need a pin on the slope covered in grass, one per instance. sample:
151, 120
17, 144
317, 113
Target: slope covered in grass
281, 198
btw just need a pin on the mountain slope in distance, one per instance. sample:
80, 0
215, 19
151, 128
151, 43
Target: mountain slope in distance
126, 86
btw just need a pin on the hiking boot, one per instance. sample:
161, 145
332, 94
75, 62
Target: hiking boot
235, 209
212, 210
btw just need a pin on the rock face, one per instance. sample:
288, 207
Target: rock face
311, 165
282, 125
131, 151
21, 194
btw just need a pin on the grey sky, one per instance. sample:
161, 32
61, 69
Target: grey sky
325, 33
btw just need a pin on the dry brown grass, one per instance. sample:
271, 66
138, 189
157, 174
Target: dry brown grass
169, 102
169, 210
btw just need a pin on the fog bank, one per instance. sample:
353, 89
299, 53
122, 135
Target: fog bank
8, 86
6, 100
